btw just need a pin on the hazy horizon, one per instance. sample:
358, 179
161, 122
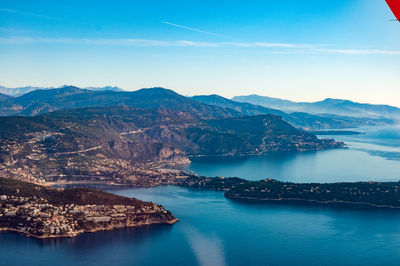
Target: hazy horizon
187, 95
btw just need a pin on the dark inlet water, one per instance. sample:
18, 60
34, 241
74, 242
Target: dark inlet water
214, 230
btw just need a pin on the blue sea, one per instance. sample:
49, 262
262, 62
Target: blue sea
373, 155
214, 230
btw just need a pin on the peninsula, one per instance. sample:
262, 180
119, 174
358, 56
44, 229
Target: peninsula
44, 212
360, 194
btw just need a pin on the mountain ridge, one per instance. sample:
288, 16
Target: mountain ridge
328, 105
203, 106
19, 91
125, 144
69, 97
298, 119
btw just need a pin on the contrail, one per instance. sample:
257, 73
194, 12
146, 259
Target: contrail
193, 29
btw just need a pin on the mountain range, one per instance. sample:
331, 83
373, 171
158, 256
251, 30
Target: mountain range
68, 97
120, 141
42, 101
327, 106
301, 120
23, 90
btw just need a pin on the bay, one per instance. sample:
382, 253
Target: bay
374, 155
214, 230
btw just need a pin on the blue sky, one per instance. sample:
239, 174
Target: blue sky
301, 50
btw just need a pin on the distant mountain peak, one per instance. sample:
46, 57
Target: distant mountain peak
334, 106
69, 87
19, 91
210, 97
66, 86
70, 90
105, 88
15, 92
69, 97
159, 91
333, 100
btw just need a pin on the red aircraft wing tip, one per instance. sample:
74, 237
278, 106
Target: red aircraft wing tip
395, 7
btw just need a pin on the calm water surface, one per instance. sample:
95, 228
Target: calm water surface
374, 155
214, 230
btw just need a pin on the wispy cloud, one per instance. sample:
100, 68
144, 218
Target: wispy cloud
270, 47
359, 51
194, 29
9, 10
111, 42
265, 45
147, 42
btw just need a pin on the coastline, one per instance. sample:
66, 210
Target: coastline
83, 182
44, 212
265, 153
315, 202
337, 203
108, 228
178, 182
